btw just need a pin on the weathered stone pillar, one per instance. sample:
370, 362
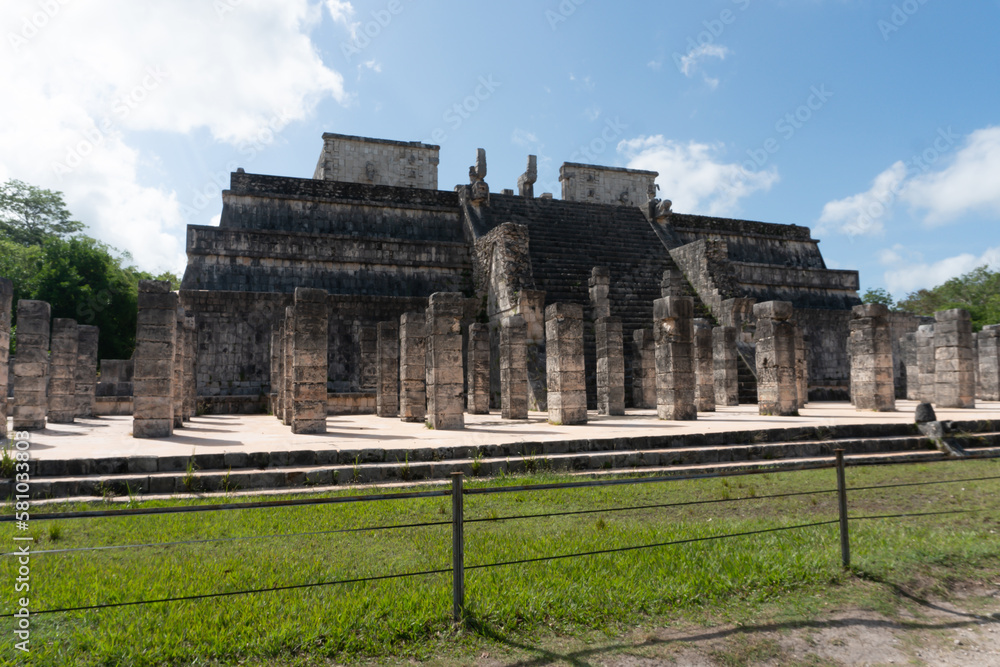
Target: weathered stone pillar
6, 301
513, 368
86, 371
368, 342
600, 285
276, 378
309, 363
989, 363
908, 350
564, 365
156, 336
777, 393
610, 366
672, 283
925, 363
62, 385
179, 352
725, 370
704, 367
279, 380
445, 381
190, 368
801, 367
478, 365
675, 380
643, 369
873, 384
289, 382
31, 367
387, 390
413, 367
954, 366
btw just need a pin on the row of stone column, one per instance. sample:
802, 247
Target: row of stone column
56, 388
941, 361
165, 376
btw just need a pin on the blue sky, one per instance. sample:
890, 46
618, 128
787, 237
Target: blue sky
875, 123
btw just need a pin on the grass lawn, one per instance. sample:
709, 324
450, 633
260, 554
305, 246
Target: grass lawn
796, 572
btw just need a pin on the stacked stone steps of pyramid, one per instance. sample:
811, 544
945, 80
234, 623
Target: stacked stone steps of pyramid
746, 382
331, 468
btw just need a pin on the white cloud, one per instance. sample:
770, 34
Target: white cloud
861, 214
78, 88
693, 177
524, 138
962, 185
690, 64
969, 184
909, 277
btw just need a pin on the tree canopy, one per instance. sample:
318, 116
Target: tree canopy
46, 258
977, 292
30, 215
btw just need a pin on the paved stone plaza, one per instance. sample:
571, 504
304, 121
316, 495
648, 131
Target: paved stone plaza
216, 434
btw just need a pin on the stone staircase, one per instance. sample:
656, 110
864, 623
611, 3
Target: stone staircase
330, 468
568, 239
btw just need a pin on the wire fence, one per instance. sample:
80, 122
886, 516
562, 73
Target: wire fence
458, 520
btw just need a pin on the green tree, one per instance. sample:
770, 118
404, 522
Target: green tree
879, 295
29, 214
977, 292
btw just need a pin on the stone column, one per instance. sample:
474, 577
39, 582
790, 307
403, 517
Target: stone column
155, 338
86, 371
445, 381
643, 369
190, 368
309, 362
801, 367
387, 362
672, 283
704, 367
564, 365
675, 380
31, 366
873, 384
289, 365
413, 367
954, 366
908, 350
478, 401
6, 301
279, 377
178, 385
777, 393
62, 385
925, 363
276, 335
600, 285
513, 368
725, 370
610, 366
989, 363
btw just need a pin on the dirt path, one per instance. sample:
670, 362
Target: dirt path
961, 632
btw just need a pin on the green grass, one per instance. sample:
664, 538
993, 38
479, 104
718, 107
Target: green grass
722, 579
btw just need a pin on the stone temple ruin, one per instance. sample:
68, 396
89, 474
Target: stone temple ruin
366, 289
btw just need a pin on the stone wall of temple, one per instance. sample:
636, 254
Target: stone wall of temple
378, 162
593, 184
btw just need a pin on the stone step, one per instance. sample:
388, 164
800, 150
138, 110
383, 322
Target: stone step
372, 466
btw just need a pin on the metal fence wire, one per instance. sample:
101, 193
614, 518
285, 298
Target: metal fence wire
458, 492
